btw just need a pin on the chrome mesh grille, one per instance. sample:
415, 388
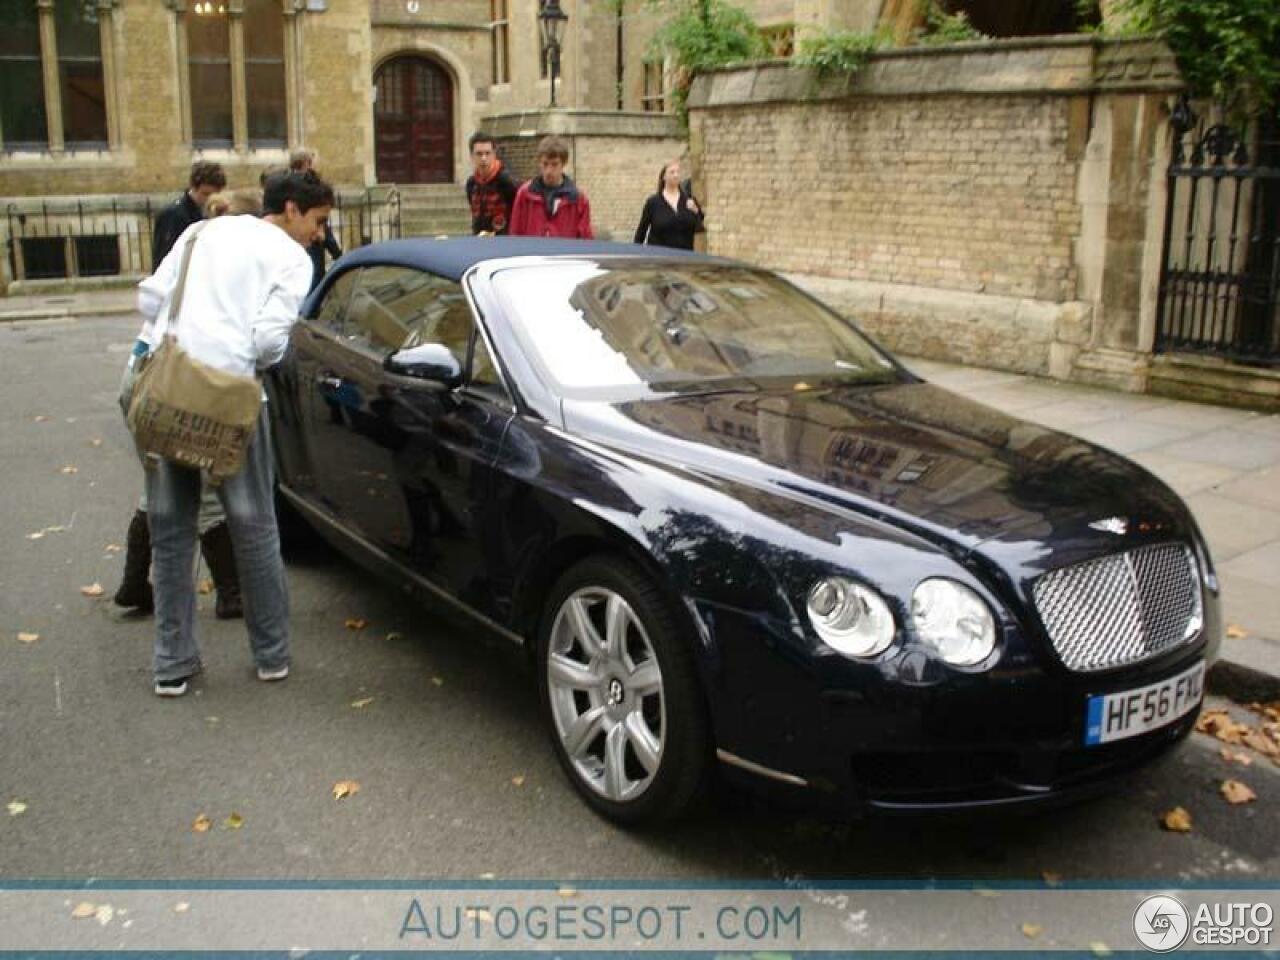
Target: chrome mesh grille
1123, 608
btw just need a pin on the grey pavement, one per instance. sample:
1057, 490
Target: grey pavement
1223, 461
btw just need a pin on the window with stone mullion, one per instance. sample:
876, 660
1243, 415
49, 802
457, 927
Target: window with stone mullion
81, 83
23, 119
264, 73
209, 64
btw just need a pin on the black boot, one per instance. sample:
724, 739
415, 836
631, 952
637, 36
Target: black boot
135, 589
215, 544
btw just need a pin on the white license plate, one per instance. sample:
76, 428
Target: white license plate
1115, 716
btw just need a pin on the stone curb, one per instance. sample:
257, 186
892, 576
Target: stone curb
1243, 684
64, 312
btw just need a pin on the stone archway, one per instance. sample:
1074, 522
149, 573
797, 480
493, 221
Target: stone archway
413, 121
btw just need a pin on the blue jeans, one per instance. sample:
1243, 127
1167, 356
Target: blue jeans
173, 495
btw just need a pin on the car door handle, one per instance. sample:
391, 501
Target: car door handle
329, 381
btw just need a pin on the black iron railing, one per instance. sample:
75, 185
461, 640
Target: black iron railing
1220, 281
70, 239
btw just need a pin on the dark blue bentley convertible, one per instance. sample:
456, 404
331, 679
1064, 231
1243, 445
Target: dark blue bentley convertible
736, 536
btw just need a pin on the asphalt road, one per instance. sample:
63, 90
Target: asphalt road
457, 777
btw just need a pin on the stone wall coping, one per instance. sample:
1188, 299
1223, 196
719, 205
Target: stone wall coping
582, 123
126, 203
1065, 65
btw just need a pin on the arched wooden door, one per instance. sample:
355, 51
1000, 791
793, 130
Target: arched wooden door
413, 122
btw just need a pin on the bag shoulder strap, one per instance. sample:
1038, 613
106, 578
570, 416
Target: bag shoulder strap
175, 305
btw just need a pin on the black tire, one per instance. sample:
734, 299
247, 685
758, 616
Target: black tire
684, 760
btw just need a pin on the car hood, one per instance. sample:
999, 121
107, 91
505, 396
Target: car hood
962, 475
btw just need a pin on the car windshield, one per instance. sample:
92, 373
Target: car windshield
627, 328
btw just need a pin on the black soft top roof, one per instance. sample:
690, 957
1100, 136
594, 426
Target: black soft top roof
451, 257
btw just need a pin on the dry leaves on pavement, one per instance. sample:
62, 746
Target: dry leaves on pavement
518, 780
345, 788
1218, 723
233, 822
205, 587
1236, 632
356, 623
361, 703
40, 418
1032, 930
17, 808
201, 824
69, 469
95, 442
93, 590
1177, 820
28, 637
114, 548
1233, 791
1235, 756
84, 910
438, 681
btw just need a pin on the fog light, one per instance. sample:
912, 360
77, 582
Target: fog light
850, 618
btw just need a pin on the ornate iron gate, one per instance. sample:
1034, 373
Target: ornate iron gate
1220, 281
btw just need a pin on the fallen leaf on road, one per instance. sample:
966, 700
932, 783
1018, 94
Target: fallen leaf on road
205, 587
38, 535
1236, 632
1177, 820
69, 469
17, 808
40, 418
361, 703
356, 623
345, 788
1259, 741
95, 442
233, 822
71, 419
1051, 878
987, 894
1218, 723
182, 907
1100, 949
567, 892
28, 637
104, 913
201, 824
1233, 791
114, 548
438, 681
1233, 756
486, 876
93, 590
518, 780
1032, 930
84, 910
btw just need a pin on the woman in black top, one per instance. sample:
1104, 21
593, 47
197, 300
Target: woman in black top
671, 217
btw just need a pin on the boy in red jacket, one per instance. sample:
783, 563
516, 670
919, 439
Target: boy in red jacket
551, 205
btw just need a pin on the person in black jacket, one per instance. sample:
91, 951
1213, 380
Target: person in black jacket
671, 216
491, 190
206, 180
303, 161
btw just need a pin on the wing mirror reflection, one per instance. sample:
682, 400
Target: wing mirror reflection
433, 362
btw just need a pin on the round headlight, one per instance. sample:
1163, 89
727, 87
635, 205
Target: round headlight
850, 618
952, 619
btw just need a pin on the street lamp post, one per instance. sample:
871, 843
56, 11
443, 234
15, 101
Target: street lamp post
551, 21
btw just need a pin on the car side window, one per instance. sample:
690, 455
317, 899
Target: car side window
380, 302
333, 310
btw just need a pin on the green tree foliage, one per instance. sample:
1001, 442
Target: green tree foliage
839, 51
1226, 49
941, 27
702, 34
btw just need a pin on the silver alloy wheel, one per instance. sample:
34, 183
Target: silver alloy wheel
605, 689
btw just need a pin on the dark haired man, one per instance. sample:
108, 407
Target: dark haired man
490, 189
246, 280
206, 180
551, 204
304, 161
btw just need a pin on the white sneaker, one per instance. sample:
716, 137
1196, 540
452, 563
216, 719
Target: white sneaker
273, 673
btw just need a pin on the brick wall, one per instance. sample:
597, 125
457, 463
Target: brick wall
964, 193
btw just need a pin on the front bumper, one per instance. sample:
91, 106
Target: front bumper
883, 738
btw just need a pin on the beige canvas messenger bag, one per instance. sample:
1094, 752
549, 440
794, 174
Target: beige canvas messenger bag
187, 411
